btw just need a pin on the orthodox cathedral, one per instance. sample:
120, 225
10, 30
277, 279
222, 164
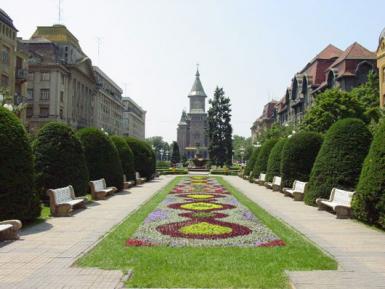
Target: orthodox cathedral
191, 132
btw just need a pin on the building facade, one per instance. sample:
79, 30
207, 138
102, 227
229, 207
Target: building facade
381, 66
265, 121
192, 128
134, 119
108, 107
331, 68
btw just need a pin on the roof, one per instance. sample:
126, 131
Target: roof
4, 17
56, 33
183, 118
106, 77
355, 51
197, 88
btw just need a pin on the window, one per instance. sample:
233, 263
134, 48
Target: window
30, 93
44, 111
4, 80
5, 51
30, 76
61, 96
61, 114
45, 76
29, 111
44, 94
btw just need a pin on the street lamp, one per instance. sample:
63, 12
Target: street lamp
161, 151
242, 151
167, 153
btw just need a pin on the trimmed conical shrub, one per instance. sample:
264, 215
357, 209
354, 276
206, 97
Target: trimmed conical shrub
274, 162
59, 160
369, 201
18, 200
260, 165
143, 158
340, 159
298, 156
250, 162
126, 156
102, 157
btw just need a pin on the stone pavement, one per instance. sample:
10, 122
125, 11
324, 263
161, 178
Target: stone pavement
42, 258
358, 249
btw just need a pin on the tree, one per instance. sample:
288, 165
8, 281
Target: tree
143, 156
274, 161
18, 199
219, 129
126, 156
369, 200
251, 162
59, 160
339, 160
102, 157
298, 156
330, 106
161, 147
242, 147
175, 155
276, 131
260, 165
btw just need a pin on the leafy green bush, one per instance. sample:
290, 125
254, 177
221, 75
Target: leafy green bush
250, 162
340, 159
17, 197
126, 156
163, 164
260, 165
369, 201
298, 155
143, 157
102, 157
59, 160
274, 161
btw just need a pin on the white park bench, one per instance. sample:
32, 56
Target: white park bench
275, 185
63, 200
297, 192
99, 189
9, 230
127, 184
139, 179
261, 180
340, 201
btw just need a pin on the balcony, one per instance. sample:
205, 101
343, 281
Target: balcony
21, 74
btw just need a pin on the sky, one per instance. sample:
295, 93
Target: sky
251, 48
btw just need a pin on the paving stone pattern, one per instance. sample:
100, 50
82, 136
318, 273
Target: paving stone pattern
358, 249
44, 255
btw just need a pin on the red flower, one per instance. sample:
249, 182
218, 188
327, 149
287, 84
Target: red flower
138, 243
272, 244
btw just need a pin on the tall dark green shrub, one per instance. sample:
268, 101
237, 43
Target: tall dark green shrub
369, 201
18, 200
250, 162
126, 156
102, 157
340, 159
59, 160
175, 155
260, 165
298, 156
143, 158
274, 162
152, 160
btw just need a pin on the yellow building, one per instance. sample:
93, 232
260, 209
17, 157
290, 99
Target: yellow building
381, 66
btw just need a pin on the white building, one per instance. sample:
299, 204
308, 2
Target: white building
134, 119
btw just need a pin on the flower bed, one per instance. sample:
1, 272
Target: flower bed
200, 212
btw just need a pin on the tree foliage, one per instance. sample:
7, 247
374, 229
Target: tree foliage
369, 201
219, 129
330, 106
260, 165
251, 162
340, 159
59, 160
102, 157
18, 200
274, 161
298, 156
175, 155
240, 144
126, 156
143, 157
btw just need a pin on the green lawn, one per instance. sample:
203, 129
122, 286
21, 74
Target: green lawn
214, 267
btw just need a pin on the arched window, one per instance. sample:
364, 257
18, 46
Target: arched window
294, 89
362, 72
305, 90
331, 79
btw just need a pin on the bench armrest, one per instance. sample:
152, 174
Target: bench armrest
16, 224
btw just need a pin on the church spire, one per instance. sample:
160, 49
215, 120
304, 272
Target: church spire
197, 88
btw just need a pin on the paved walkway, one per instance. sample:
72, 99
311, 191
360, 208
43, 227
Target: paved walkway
359, 250
44, 255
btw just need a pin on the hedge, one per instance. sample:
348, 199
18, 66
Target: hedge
18, 200
250, 163
102, 157
298, 156
274, 162
260, 165
369, 201
143, 157
59, 160
126, 156
340, 159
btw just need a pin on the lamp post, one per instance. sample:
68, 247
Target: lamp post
161, 151
167, 153
242, 151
